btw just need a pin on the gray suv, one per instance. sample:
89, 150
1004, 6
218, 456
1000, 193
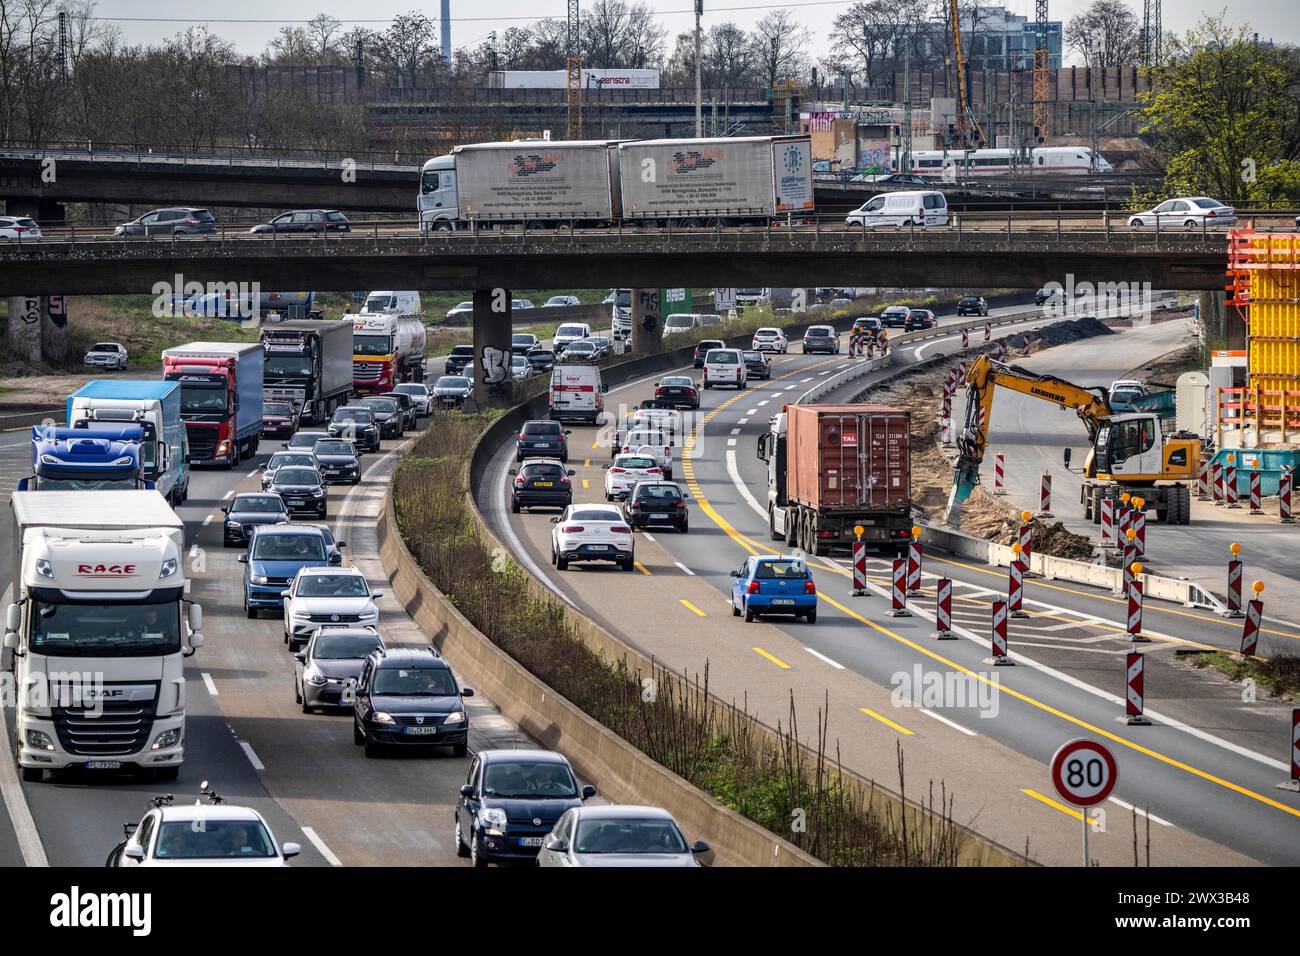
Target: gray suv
171, 221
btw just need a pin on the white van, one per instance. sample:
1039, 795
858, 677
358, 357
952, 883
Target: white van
920, 207
568, 333
393, 303
679, 323
725, 367
577, 393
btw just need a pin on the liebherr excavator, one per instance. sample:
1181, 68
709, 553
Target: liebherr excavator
1129, 452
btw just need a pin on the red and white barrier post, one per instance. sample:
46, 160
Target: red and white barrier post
965, 339
1203, 480
1125, 516
988, 330
1284, 497
914, 562
999, 474
1234, 581
943, 610
859, 564
1045, 496
1216, 477
1140, 529
1230, 483
1026, 541
1135, 689
1130, 556
1108, 539
1135, 605
1000, 656
1016, 584
897, 591
1294, 782
1255, 496
1250, 627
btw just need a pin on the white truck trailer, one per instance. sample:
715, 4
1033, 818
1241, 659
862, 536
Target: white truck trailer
99, 628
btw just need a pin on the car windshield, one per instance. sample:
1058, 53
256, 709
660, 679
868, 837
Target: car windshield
754, 357
294, 475
385, 405
646, 438
624, 835
523, 339
919, 313
582, 347
542, 471
332, 585
596, 514
774, 570
287, 366
257, 504
213, 840
451, 381
541, 355
343, 647
411, 388
623, 461
277, 408
105, 630
529, 780
414, 682
723, 358
354, 415
541, 428
676, 381
332, 448
281, 459
818, 333
659, 492
709, 344
571, 330
288, 547
104, 347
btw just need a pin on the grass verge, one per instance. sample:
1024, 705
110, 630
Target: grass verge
1278, 676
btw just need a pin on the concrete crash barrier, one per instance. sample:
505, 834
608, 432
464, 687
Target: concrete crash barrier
27, 419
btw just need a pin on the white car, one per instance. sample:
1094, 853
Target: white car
560, 301
568, 333
19, 227
419, 394
626, 470
724, 367
1185, 212
911, 208
591, 533
201, 834
520, 368
106, 355
464, 310
769, 340
665, 419
649, 441
328, 595
619, 836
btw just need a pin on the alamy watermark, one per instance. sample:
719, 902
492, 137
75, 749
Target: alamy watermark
1121, 300
239, 301
946, 689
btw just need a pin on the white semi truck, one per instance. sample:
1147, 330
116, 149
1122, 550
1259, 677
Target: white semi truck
99, 628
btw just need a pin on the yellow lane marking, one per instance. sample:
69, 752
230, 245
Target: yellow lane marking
775, 660
641, 567
688, 605
1069, 811
585, 484
586, 463
595, 445
886, 721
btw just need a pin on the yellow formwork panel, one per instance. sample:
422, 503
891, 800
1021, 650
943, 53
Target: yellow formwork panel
1271, 262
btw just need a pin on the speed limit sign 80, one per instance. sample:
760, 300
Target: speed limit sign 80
1084, 772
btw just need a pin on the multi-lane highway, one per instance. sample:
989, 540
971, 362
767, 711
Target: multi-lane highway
1202, 777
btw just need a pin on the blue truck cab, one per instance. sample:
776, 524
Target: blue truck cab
85, 459
152, 406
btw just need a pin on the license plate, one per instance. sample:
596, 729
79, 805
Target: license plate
294, 501
782, 600
543, 444
658, 517
543, 484
103, 765
421, 731
531, 841
598, 547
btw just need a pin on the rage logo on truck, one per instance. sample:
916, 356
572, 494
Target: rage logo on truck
105, 570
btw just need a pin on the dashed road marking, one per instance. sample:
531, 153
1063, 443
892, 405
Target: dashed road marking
1068, 811
641, 567
684, 568
252, 757
775, 660
886, 721
691, 607
209, 684
320, 846
951, 723
822, 657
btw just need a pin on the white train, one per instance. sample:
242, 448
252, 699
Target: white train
1054, 160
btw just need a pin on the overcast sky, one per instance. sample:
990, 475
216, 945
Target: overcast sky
472, 21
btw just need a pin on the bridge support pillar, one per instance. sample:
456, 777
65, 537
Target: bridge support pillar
647, 322
45, 211
492, 331
25, 313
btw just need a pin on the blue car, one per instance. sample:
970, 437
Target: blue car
275, 555
774, 585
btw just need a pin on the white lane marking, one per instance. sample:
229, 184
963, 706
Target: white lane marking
951, 723
207, 521
742, 421
790, 388
320, 846
763, 402
1140, 812
822, 657
228, 495
208, 683
803, 380
735, 431
15, 801
731, 443
684, 568
734, 473
827, 372
648, 535
194, 551
752, 411
254, 472
252, 757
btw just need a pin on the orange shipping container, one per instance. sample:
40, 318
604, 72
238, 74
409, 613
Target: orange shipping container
849, 457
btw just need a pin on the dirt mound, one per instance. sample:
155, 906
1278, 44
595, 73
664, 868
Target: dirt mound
1054, 538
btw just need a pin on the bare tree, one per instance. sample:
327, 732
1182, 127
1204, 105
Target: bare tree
1106, 34
728, 57
780, 46
618, 34
325, 32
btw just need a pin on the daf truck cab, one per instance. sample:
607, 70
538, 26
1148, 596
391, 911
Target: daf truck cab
99, 628
155, 408
82, 459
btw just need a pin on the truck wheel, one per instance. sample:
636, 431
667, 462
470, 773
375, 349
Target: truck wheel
771, 524
32, 774
1094, 505
814, 543
790, 531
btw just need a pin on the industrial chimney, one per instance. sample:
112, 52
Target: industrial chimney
446, 30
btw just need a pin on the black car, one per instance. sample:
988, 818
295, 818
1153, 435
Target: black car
539, 482
170, 221
702, 347
333, 549
388, 416
306, 220
357, 424
757, 365
510, 801
458, 359
521, 343
298, 456
821, 338
678, 391
972, 305
542, 439
247, 510
301, 488
278, 418
542, 360
409, 697
657, 503
450, 391
410, 414
337, 461
919, 319
1045, 294
895, 317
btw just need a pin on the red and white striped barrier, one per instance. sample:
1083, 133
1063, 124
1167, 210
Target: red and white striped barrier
1108, 523
914, 558
1140, 531
1026, 543
1126, 565
965, 339
1135, 612
859, 569
1016, 588
1230, 486
943, 610
999, 474
1000, 656
1135, 689
1284, 498
1294, 782
898, 593
988, 330
1216, 474
1255, 496
1045, 496
1250, 627
1234, 588
1125, 520
1203, 480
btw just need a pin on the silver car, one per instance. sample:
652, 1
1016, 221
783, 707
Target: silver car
419, 394
106, 355
619, 836
1185, 212
328, 668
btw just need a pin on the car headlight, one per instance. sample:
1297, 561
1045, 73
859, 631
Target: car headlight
168, 738
39, 741
259, 579
314, 677
301, 615
380, 717
458, 717
168, 569
44, 568
493, 817
318, 493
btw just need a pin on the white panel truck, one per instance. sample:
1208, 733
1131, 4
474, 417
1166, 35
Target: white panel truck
99, 628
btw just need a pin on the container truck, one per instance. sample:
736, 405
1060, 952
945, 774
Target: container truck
221, 398
99, 630
153, 406
833, 467
386, 351
728, 180
83, 459
308, 363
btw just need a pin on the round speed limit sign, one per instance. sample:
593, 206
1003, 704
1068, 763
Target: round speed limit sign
1084, 772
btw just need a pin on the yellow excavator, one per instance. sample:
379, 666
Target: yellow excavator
1129, 451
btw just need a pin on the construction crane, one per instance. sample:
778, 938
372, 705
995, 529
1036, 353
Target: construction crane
1129, 452
1042, 79
573, 69
968, 127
